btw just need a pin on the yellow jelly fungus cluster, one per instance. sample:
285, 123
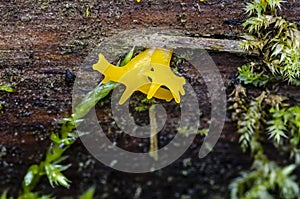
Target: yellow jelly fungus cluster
146, 72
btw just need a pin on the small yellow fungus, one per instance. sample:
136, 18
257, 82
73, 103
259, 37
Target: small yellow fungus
146, 72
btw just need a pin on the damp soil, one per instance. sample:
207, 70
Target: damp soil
42, 45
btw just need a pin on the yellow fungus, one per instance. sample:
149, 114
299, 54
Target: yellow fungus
146, 72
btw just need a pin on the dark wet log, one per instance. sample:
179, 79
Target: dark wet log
41, 42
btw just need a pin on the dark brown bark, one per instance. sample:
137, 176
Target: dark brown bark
40, 41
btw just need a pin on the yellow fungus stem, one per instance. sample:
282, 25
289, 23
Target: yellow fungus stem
153, 136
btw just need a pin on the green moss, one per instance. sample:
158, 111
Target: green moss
277, 40
248, 76
268, 118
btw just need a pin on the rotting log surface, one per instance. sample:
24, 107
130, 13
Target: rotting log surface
40, 40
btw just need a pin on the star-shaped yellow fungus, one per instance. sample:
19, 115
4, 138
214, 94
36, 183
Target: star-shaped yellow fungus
146, 72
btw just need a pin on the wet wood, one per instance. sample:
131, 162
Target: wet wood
42, 42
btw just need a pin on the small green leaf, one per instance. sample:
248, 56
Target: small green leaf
54, 137
278, 50
6, 88
29, 177
288, 169
55, 176
128, 57
88, 194
4, 195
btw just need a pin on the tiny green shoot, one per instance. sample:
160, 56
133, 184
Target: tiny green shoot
52, 165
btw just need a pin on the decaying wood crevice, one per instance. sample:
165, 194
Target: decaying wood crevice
42, 42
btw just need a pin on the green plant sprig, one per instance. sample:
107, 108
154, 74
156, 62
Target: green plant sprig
62, 140
249, 126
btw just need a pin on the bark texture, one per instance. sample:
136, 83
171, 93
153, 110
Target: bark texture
43, 42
